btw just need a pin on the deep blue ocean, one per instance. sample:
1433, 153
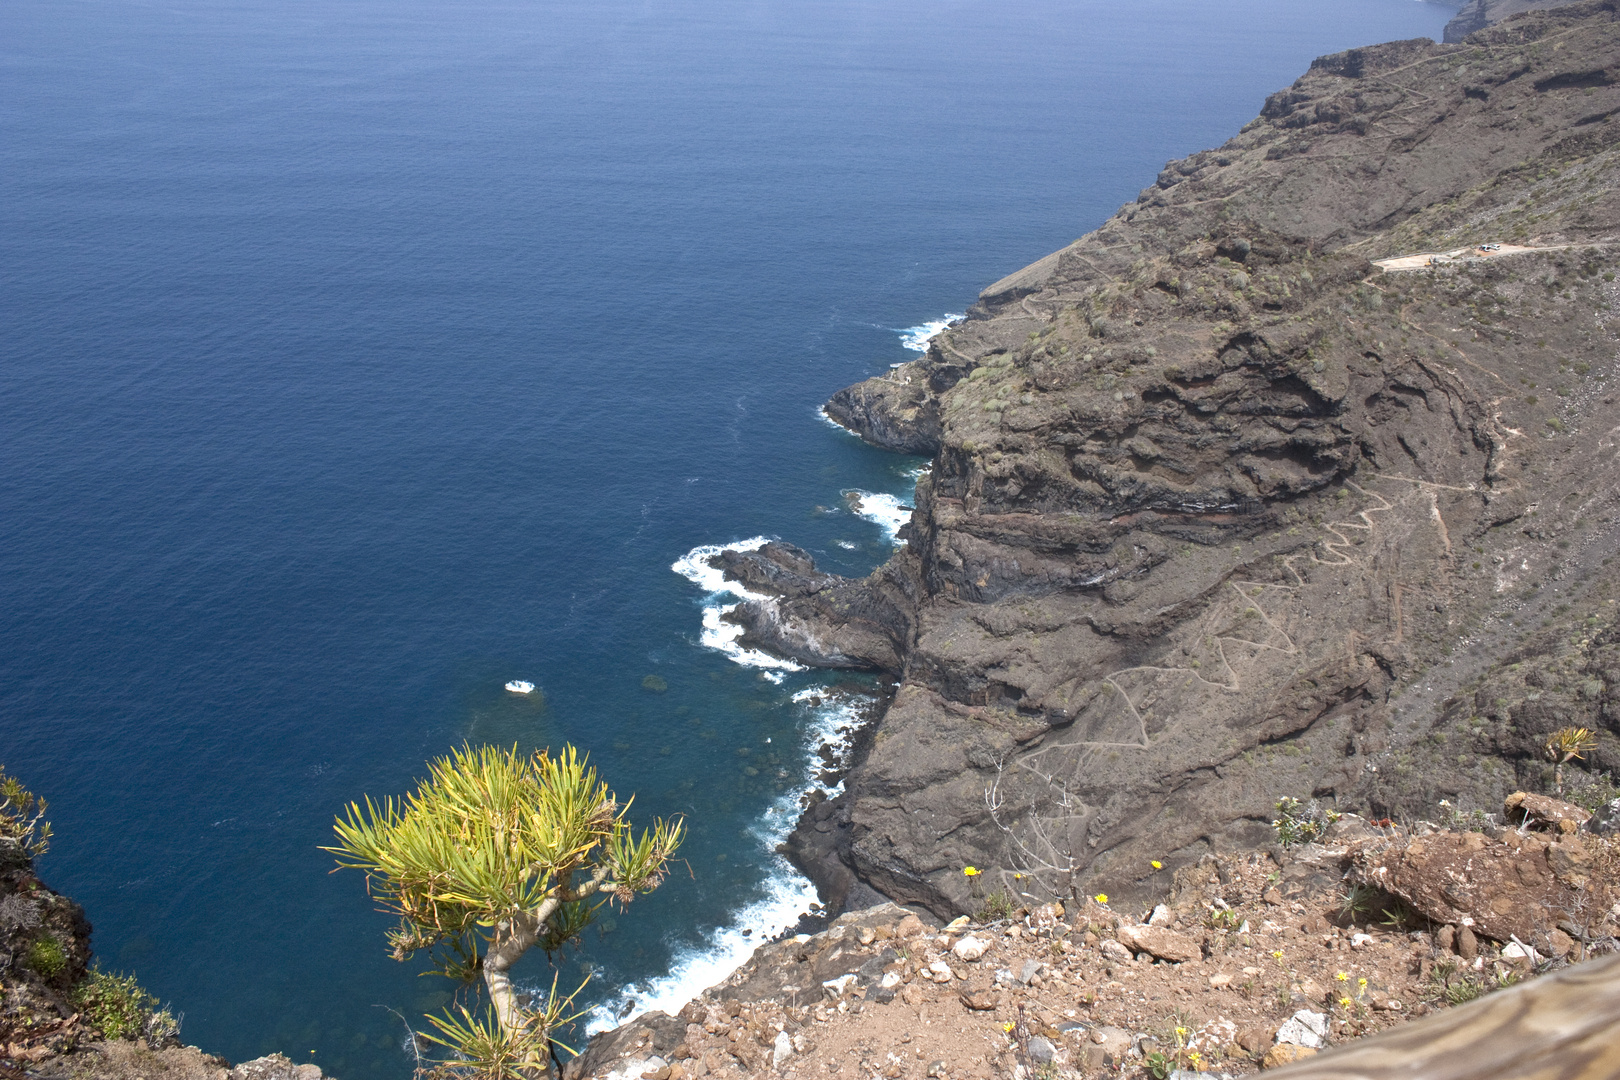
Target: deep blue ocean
357, 357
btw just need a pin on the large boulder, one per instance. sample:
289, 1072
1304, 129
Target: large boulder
1523, 886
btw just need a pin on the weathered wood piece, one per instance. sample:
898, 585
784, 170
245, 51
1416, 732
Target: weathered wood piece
1564, 1026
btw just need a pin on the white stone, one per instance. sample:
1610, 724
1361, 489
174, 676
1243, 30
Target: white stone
1113, 950
1360, 941
1162, 916
890, 980
958, 923
634, 1067
835, 988
970, 948
1305, 1028
940, 971
781, 1049
1514, 950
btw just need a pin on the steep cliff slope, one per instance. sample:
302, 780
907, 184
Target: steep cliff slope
1220, 512
1478, 14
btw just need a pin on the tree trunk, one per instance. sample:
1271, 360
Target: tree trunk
514, 938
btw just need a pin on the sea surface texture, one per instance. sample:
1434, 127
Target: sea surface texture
361, 356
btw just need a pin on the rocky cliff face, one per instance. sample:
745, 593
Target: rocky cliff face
1221, 512
1478, 14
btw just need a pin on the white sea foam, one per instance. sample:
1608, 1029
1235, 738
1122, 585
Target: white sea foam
717, 633
787, 896
832, 721
822, 412
694, 567
916, 338
888, 512
835, 720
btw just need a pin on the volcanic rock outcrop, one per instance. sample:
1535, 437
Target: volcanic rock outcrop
1220, 511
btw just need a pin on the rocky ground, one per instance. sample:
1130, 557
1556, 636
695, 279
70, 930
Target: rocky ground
1250, 961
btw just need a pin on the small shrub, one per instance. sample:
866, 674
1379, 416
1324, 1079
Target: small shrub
1359, 902
998, 905
1300, 823
115, 1005
18, 912
22, 817
1471, 820
47, 956
1454, 984
1590, 792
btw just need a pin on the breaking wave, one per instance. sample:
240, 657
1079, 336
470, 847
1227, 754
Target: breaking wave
717, 633
833, 720
916, 338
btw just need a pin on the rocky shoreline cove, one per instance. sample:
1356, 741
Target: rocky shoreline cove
1221, 512
1249, 586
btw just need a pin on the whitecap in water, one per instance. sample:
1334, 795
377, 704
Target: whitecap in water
888, 512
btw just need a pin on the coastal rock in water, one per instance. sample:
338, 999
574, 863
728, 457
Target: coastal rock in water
898, 411
818, 619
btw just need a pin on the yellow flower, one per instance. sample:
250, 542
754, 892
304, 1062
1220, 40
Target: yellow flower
1346, 1002
970, 871
1276, 954
1342, 977
1101, 898
1157, 865
1007, 1028
1018, 877
1361, 982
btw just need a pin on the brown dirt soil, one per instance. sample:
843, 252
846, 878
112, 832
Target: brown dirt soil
1270, 934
